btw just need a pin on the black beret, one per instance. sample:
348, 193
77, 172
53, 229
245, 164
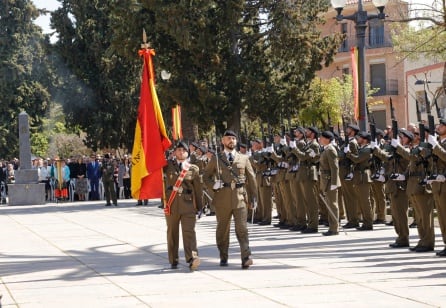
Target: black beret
313, 129
354, 127
242, 145
327, 134
196, 145
443, 121
203, 149
300, 129
230, 133
407, 133
365, 135
379, 132
181, 144
257, 140
336, 134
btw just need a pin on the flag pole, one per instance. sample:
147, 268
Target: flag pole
146, 45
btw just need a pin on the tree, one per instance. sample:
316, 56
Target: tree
232, 57
24, 72
225, 58
420, 31
98, 88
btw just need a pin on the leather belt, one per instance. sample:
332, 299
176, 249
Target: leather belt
416, 174
184, 191
237, 185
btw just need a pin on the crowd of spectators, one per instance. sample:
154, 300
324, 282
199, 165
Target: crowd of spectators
80, 175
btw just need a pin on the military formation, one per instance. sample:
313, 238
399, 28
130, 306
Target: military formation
315, 178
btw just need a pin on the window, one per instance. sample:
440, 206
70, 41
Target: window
376, 33
378, 78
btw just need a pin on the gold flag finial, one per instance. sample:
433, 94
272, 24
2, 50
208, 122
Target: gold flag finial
145, 44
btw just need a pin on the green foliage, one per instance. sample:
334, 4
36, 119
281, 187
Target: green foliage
227, 58
24, 72
421, 32
97, 86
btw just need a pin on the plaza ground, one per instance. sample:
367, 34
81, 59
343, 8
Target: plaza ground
83, 253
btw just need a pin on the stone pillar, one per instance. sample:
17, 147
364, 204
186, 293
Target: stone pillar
24, 141
26, 190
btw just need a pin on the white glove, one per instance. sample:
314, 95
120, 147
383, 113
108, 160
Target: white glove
440, 178
270, 149
381, 178
217, 185
293, 144
395, 142
282, 141
333, 187
400, 177
373, 145
333, 142
311, 154
346, 149
432, 140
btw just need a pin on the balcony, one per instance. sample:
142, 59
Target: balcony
374, 41
390, 88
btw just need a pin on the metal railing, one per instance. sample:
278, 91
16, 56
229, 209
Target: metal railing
374, 41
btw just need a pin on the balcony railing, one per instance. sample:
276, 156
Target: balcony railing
391, 88
374, 41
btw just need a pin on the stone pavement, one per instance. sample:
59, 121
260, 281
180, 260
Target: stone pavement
74, 254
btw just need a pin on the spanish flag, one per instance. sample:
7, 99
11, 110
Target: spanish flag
151, 140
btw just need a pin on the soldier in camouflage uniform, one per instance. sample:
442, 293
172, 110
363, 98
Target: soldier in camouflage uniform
260, 165
346, 173
395, 187
362, 179
108, 169
184, 207
419, 196
438, 180
231, 176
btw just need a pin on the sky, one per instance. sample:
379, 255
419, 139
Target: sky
44, 21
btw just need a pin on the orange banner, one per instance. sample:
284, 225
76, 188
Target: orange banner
354, 59
177, 130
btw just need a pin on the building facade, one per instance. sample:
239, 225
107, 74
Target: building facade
384, 71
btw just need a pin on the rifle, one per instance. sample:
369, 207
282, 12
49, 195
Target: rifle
264, 137
437, 109
394, 121
430, 117
291, 133
421, 127
371, 123
330, 126
270, 135
344, 126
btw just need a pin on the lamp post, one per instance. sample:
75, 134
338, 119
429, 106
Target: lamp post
360, 19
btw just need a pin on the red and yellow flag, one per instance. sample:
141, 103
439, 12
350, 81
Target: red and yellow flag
177, 131
354, 59
151, 140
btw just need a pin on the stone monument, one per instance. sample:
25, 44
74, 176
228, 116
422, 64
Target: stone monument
26, 190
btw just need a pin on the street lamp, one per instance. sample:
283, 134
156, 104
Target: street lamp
360, 19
